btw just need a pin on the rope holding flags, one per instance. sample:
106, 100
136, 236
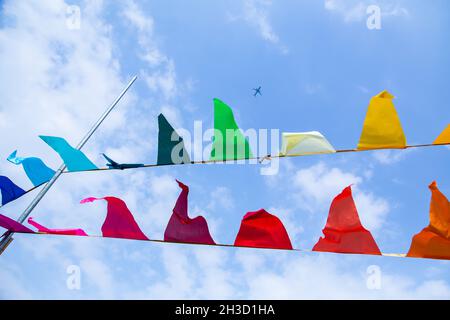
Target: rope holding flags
343, 232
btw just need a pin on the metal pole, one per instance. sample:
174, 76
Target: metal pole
7, 238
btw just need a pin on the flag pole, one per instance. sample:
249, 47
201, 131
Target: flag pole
7, 237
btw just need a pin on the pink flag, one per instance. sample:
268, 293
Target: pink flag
181, 228
119, 222
261, 229
12, 225
69, 232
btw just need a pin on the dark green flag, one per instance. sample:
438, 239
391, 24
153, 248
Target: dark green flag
170, 145
228, 142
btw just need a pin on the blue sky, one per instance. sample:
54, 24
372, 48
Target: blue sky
318, 65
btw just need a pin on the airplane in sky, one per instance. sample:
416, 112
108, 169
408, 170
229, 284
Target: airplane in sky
257, 91
114, 165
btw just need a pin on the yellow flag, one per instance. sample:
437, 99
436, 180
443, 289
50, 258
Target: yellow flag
444, 137
382, 128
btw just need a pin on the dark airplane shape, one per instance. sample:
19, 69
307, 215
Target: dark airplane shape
114, 165
257, 91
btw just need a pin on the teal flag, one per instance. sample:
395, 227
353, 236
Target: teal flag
228, 142
35, 168
74, 159
171, 148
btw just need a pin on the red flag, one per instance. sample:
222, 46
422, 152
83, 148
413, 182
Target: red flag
181, 228
69, 232
119, 222
261, 229
344, 232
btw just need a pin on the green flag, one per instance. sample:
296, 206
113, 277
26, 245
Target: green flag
228, 142
170, 145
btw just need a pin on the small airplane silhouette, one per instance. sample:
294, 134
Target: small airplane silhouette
114, 165
257, 91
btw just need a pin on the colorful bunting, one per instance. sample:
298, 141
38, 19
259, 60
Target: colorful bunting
69, 232
434, 240
304, 143
74, 159
382, 128
9, 190
119, 222
444, 137
171, 148
343, 231
261, 229
181, 228
13, 226
35, 168
228, 142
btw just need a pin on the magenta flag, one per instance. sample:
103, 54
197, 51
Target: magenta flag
69, 232
12, 225
181, 228
119, 222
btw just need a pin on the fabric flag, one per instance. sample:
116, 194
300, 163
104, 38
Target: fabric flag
181, 228
434, 240
229, 142
382, 127
343, 231
261, 229
35, 168
170, 143
74, 159
444, 137
304, 143
9, 190
119, 222
69, 232
12, 225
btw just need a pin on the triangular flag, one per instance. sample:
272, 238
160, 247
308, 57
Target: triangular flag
69, 232
229, 142
434, 240
304, 143
171, 148
12, 225
382, 128
119, 222
181, 228
343, 231
261, 229
74, 159
444, 137
35, 168
9, 190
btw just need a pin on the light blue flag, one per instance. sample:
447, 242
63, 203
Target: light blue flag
35, 168
74, 159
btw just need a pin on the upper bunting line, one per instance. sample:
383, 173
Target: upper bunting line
258, 158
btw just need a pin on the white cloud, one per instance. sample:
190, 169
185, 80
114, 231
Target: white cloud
256, 14
355, 10
315, 187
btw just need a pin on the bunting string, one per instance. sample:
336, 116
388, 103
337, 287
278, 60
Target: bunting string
343, 233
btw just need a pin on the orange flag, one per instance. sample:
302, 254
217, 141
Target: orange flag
444, 137
434, 240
